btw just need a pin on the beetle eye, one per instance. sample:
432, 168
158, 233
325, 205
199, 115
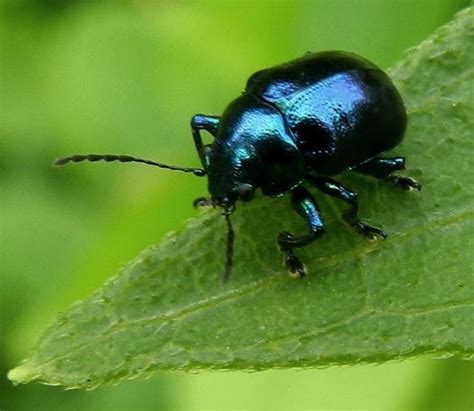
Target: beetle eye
245, 192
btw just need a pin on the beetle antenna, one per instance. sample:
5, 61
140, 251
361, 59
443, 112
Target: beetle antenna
230, 245
125, 159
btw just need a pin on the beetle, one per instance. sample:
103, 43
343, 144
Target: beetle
297, 124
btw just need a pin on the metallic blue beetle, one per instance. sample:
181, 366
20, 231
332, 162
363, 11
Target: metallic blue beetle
298, 123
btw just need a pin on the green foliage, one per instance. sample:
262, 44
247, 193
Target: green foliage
361, 302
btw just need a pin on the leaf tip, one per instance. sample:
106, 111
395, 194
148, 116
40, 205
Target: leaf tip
22, 374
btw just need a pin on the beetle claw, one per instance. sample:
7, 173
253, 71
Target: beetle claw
294, 265
406, 183
372, 233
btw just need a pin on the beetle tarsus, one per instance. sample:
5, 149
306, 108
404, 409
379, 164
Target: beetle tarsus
406, 183
203, 202
294, 265
383, 168
371, 233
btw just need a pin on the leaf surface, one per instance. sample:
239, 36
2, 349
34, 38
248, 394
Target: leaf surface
409, 295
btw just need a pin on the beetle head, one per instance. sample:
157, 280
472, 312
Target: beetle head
253, 150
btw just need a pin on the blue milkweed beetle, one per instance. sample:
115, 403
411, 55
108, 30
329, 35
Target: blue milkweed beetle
298, 123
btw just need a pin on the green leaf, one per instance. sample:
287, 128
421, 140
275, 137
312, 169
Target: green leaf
361, 301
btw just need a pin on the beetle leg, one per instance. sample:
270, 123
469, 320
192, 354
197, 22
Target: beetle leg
203, 202
335, 189
305, 205
203, 122
384, 167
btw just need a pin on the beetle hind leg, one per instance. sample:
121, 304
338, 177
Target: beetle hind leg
305, 205
384, 167
333, 188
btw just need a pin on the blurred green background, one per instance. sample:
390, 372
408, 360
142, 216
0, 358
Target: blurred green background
126, 77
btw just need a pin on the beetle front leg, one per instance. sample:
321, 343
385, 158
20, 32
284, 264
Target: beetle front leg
305, 205
203, 202
384, 167
333, 188
203, 122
